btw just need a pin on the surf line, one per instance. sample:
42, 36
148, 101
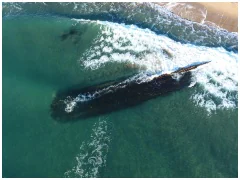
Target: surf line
107, 97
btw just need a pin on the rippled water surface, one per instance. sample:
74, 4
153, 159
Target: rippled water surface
48, 47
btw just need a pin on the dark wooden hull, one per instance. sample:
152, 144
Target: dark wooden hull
112, 96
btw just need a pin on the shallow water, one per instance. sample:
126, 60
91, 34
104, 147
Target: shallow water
187, 133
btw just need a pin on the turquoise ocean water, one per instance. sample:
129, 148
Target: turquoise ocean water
48, 47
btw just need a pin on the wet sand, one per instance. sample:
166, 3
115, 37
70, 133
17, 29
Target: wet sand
219, 14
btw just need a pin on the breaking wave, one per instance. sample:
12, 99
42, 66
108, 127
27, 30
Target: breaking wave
150, 40
154, 55
144, 15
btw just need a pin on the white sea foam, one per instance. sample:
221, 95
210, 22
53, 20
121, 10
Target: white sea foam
72, 102
93, 153
150, 15
154, 53
159, 54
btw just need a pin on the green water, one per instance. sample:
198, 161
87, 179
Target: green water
165, 137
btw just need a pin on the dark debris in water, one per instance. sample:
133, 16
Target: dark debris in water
73, 34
